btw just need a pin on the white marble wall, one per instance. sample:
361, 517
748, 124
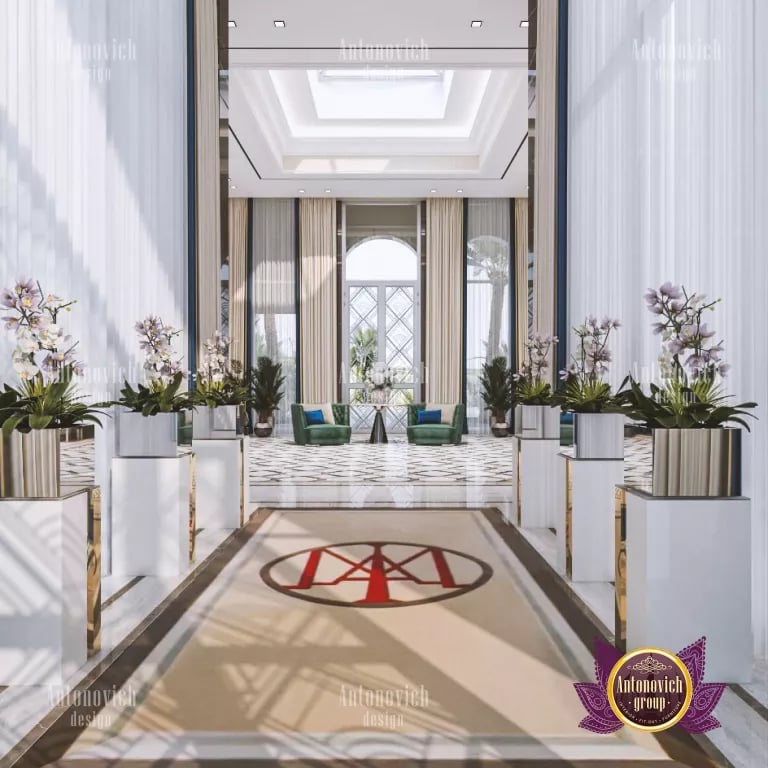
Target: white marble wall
667, 167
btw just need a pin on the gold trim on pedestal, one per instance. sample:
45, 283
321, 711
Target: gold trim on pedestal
620, 582
94, 569
192, 509
242, 482
569, 519
519, 487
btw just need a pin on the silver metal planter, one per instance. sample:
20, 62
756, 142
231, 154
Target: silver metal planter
219, 423
697, 462
542, 421
598, 435
147, 436
29, 464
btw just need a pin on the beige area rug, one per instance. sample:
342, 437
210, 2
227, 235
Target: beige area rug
359, 644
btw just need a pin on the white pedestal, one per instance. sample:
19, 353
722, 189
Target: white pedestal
219, 483
587, 530
150, 516
539, 475
43, 603
688, 575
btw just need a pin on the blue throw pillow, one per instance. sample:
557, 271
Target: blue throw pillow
314, 417
428, 417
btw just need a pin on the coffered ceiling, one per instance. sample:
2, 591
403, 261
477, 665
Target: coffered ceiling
377, 99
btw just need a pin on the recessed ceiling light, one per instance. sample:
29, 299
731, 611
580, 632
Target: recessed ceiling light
231, 23
433, 191
301, 191
524, 23
477, 23
233, 187
459, 191
327, 191
279, 23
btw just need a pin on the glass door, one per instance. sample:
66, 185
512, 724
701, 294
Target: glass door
381, 314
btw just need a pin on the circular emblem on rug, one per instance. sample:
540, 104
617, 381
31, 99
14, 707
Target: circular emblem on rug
650, 689
376, 574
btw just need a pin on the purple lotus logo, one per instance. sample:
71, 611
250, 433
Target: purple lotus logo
650, 689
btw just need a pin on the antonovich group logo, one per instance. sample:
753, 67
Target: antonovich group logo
649, 689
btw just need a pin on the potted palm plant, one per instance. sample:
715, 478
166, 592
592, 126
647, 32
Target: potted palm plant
696, 448
266, 380
220, 391
46, 400
535, 411
496, 390
598, 420
147, 422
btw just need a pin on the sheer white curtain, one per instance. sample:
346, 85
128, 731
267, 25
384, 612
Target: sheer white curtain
274, 293
667, 169
93, 182
488, 307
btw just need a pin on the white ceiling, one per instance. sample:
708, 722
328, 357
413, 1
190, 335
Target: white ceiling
392, 99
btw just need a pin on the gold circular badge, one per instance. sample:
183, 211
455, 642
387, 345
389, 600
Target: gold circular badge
650, 689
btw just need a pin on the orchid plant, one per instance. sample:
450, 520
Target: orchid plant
585, 389
379, 382
692, 367
532, 386
162, 371
219, 381
44, 359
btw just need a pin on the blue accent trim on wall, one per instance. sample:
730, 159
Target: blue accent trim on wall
251, 314
191, 194
464, 277
297, 291
561, 210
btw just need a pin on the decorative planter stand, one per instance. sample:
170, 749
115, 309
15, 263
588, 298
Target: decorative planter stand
539, 421
688, 574
538, 488
43, 544
140, 436
220, 423
220, 483
586, 533
151, 515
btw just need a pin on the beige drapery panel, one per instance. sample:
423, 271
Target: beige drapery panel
544, 234
521, 278
445, 278
207, 174
317, 310
238, 252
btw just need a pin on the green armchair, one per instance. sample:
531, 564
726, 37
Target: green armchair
435, 434
321, 434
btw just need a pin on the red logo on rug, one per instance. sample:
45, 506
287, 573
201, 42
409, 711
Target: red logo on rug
376, 574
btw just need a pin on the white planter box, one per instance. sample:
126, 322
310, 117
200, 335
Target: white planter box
539, 482
540, 421
218, 423
586, 535
150, 516
598, 435
688, 575
220, 483
43, 607
151, 436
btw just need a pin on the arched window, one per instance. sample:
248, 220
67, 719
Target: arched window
381, 258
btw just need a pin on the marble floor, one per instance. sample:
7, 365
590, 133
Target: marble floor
398, 476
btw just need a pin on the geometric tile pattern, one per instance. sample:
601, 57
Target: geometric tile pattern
477, 460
